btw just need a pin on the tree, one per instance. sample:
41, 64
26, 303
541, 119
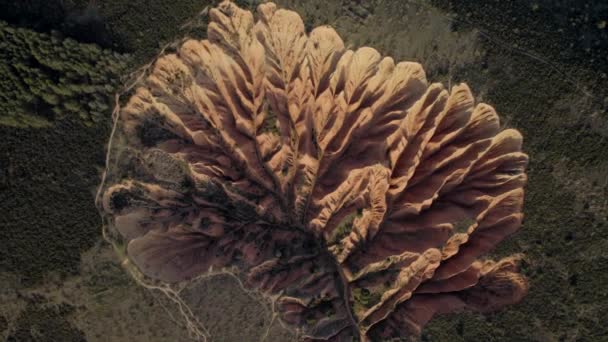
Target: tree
45, 77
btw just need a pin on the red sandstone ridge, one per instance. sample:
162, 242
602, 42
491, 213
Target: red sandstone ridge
339, 180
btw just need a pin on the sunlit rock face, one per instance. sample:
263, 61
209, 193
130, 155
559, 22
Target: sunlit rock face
342, 183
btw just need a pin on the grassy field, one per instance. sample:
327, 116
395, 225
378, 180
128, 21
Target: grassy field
541, 64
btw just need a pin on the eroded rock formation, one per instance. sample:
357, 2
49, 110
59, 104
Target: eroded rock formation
340, 181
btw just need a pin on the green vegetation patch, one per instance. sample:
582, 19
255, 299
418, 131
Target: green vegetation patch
39, 323
48, 179
463, 225
365, 298
44, 78
344, 228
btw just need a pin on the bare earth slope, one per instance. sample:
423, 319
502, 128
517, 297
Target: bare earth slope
343, 185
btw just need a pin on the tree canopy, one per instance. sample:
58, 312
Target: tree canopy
45, 77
